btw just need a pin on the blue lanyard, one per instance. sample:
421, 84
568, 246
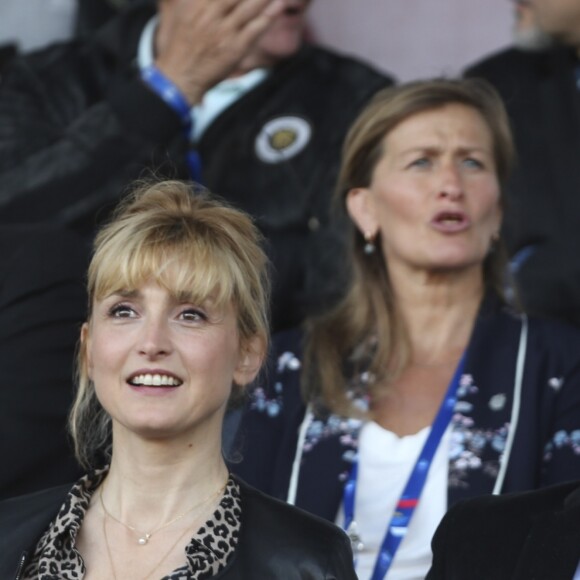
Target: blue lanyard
410, 497
193, 160
175, 99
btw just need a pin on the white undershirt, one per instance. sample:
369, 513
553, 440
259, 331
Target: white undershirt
385, 462
217, 99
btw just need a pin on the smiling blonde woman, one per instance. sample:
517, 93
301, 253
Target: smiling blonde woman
178, 325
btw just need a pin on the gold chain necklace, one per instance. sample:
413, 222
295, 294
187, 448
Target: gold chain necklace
144, 538
158, 563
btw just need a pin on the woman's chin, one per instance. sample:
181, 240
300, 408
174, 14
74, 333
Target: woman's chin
455, 260
165, 429
153, 430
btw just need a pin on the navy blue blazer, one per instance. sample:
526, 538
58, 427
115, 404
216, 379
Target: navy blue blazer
546, 446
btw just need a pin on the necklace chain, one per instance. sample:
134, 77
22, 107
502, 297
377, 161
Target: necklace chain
145, 537
172, 547
107, 514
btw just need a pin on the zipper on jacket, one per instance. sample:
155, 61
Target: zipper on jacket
21, 565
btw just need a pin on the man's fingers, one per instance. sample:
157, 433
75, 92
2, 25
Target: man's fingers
245, 13
254, 26
274, 8
201, 43
240, 10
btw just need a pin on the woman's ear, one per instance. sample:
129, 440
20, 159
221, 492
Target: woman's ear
361, 208
252, 355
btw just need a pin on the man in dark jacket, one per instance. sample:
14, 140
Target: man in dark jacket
81, 120
542, 224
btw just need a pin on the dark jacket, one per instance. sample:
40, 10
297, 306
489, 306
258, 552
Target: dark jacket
276, 540
546, 447
77, 125
543, 202
527, 536
42, 306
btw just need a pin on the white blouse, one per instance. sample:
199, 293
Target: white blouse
385, 463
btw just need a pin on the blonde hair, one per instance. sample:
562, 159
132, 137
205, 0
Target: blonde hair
364, 331
193, 245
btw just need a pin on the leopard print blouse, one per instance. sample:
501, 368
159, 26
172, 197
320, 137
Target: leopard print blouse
208, 552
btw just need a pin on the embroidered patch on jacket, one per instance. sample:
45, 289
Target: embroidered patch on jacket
282, 138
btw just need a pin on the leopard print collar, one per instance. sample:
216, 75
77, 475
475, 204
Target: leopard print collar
208, 552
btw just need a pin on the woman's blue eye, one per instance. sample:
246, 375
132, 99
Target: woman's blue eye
473, 163
422, 162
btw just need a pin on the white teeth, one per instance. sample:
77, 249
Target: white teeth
156, 380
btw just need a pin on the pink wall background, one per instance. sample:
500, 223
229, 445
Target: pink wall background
414, 38
410, 38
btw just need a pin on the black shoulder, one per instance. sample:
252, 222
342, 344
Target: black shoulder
516, 72
23, 520
25, 506
483, 537
43, 62
497, 62
274, 522
512, 511
346, 69
286, 516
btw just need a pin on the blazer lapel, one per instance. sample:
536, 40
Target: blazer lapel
490, 377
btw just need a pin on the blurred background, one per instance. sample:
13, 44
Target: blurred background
410, 38
414, 38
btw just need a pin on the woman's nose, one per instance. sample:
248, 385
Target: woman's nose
155, 340
451, 183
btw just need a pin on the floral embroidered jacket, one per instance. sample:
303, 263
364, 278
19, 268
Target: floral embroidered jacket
546, 444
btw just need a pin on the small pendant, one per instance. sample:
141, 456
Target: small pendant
143, 540
355, 539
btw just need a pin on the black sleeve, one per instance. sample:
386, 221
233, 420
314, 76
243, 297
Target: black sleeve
71, 139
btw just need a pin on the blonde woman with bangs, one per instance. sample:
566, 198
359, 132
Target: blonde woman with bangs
177, 326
